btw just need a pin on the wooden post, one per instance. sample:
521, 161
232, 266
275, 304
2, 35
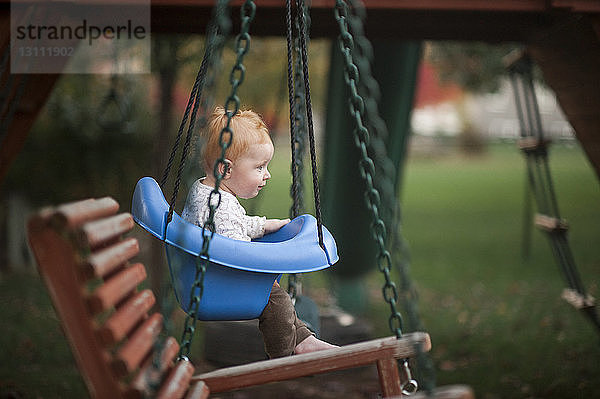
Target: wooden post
389, 379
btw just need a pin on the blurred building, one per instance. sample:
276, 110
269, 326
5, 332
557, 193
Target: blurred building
446, 110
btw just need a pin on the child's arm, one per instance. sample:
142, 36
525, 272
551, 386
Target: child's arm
272, 225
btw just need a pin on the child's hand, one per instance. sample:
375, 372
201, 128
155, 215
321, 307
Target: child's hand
272, 225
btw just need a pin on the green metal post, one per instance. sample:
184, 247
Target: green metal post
395, 67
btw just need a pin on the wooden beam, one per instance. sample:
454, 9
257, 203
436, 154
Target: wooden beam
461, 5
497, 5
416, 22
569, 58
578, 5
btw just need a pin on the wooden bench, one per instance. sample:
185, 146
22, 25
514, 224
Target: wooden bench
84, 261
86, 264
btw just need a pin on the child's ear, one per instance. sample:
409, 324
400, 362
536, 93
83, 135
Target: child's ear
226, 168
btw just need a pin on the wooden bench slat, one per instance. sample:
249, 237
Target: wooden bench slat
96, 233
120, 323
116, 288
198, 390
344, 357
106, 260
131, 354
149, 372
177, 382
41, 219
77, 213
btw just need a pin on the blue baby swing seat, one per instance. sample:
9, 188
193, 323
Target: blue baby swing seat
240, 274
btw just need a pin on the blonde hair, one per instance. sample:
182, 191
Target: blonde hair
248, 128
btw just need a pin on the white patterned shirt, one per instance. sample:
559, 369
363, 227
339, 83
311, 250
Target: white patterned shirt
230, 217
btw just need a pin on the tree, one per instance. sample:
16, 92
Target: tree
69, 155
476, 67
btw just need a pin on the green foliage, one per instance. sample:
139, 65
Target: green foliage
475, 66
68, 155
265, 86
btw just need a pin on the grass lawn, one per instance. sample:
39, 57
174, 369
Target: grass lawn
496, 319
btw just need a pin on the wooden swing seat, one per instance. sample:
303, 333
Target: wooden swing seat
85, 262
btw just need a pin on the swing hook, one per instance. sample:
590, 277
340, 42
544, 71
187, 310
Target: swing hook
409, 384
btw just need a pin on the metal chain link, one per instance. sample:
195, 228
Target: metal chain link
352, 74
232, 106
206, 102
369, 89
409, 297
366, 165
216, 35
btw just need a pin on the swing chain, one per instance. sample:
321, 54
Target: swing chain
298, 152
232, 106
204, 80
300, 6
366, 165
409, 295
353, 56
371, 95
216, 34
198, 284
298, 125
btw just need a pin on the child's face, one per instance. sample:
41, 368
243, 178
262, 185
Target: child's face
249, 174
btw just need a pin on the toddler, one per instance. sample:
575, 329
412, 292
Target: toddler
247, 161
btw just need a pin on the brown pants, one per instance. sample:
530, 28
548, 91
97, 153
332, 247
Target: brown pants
280, 326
